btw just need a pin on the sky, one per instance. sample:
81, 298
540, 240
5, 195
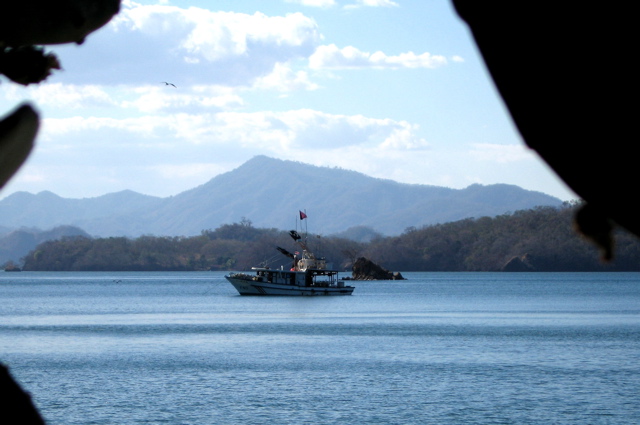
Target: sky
392, 89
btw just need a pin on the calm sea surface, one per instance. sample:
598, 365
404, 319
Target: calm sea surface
438, 348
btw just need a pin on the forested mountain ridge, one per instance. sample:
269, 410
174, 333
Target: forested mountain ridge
270, 192
539, 239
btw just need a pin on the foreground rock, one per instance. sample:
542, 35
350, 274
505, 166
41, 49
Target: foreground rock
364, 269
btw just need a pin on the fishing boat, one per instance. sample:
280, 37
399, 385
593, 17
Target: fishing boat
308, 275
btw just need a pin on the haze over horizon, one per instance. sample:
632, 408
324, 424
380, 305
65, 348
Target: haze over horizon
391, 89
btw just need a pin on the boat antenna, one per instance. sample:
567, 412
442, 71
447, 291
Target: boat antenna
265, 263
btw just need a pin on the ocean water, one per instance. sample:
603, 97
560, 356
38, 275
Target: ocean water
438, 348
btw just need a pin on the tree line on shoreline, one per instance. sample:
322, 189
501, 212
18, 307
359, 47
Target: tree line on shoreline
539, 239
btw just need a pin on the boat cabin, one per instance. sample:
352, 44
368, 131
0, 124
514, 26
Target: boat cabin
319, 278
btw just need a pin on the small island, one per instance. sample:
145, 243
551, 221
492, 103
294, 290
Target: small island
10, 266
365, 269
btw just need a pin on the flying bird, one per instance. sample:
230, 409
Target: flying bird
169, 84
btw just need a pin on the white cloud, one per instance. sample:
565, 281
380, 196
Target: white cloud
150, 99
57, 129
270, 132
403, 138
372, 3
178, 151
109, 123
146, 44
60, 95
501, 153
285, 79
146, 99
332, 57
357, 4
314, 3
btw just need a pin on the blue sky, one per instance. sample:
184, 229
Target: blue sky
392, 89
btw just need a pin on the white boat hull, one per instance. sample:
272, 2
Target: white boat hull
252, 287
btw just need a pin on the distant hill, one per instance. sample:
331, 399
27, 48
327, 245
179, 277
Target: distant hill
359, 234
111, 212
16, 244
269, 192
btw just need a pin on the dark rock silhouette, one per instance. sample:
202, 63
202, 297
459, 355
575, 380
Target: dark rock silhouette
364, 269
38, 22
574, 109
17, 133
15, 404
24, 24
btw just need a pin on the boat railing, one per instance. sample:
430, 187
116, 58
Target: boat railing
243, 276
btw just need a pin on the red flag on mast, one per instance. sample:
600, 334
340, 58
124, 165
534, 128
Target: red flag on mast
302, 215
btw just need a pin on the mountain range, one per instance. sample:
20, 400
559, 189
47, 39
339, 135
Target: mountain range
270, 192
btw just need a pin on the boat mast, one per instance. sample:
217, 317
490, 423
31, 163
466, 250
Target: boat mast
303, 216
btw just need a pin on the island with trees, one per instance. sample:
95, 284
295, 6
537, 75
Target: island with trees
539, 239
